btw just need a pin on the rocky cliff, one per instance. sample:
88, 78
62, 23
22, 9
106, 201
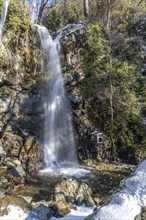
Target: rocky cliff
21, 98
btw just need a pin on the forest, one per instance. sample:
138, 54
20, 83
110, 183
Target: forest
72, 109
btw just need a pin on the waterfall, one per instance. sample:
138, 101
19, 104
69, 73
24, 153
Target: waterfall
33, 14
3, 16
58, 140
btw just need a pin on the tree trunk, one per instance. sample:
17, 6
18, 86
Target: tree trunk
86, 8
109, 32
108, 15
41, 10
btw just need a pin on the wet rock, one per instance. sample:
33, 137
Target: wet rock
68, 78
69, 29
76, 99
41, 212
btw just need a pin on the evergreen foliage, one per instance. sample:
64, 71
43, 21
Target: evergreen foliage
18, 19
121, 48
128, 129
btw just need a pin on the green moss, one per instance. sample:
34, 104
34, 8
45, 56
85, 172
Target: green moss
104, 69
4, 91
17, 18
141, 152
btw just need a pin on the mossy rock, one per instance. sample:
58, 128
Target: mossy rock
141, 153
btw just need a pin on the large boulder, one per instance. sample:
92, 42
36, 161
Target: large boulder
70, 192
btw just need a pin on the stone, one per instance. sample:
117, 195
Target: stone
17, 162
29, 144
3, 180
2, 151
4, 103
13, 172
96, 201
41, 212
137, 217
68, 30
3, 170
142, 215
61, 208
4, 56
16, 171
72, 192
2, 194
12, 144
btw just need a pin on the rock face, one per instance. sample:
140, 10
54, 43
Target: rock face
22, 90
19, 106
72, 38
21, 97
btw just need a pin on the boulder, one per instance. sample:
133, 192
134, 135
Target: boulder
41, 212
61, 208
72, 191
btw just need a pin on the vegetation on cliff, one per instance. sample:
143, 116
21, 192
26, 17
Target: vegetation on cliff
114, 88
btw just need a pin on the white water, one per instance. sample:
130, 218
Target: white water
3, 16
40, 213
33, 14
58, 140
65, 170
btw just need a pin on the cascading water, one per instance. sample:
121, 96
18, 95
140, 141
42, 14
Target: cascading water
3, 16
58, 146
33, 14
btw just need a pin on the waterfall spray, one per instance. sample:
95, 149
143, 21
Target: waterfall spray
3, 16
33, 14
58, 143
